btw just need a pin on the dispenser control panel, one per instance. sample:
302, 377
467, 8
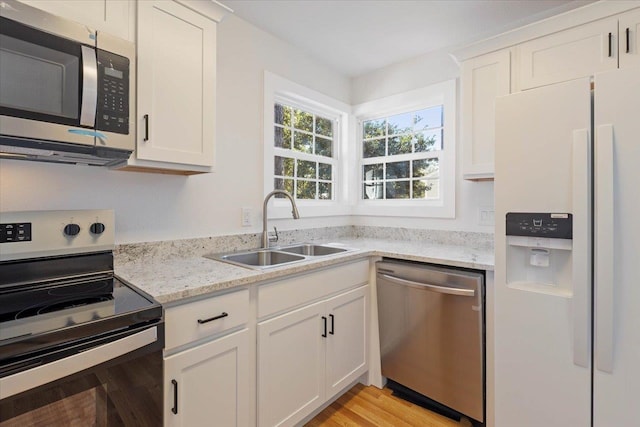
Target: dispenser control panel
550, 225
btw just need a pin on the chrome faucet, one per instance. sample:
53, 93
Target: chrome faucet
265, 234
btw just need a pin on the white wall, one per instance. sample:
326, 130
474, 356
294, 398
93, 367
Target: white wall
413, 74
151, 207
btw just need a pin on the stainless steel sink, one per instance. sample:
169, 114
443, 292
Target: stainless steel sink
260, 259
309, 249
276, 257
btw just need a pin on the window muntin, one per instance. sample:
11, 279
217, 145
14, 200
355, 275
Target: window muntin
401, 155
304, 146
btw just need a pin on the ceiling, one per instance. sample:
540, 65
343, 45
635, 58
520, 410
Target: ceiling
355, 37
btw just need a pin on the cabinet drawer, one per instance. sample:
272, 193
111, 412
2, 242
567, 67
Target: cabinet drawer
181, 322
289, 293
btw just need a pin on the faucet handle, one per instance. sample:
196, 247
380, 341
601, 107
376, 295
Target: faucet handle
273, 238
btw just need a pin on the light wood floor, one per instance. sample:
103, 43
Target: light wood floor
371, 407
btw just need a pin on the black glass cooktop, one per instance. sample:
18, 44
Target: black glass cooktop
43, 318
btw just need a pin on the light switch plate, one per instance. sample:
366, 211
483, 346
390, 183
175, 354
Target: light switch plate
247, 217
486, 216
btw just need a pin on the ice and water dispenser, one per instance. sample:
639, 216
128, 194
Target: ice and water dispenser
539, 251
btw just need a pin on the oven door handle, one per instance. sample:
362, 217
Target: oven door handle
27, 380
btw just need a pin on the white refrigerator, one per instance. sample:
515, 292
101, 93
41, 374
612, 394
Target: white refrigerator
567, 269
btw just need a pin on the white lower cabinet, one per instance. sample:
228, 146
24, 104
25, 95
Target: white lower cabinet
346, 343
209, 385
207, 375
308, 355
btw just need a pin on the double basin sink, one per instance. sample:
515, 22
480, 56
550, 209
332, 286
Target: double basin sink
272, 257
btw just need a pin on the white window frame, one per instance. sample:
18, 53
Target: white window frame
280, 90
444, 94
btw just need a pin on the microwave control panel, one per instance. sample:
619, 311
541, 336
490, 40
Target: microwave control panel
551, 225
113, 93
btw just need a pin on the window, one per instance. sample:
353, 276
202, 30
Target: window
400, 155
303, 148
303, 151
406, 151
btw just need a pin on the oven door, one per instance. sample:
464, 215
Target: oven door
48, 82
115, 384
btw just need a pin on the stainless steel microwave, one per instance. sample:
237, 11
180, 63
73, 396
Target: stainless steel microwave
66, 90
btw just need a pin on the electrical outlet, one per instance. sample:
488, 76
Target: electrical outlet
486, 216
247, 215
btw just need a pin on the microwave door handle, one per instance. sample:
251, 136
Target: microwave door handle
89, 87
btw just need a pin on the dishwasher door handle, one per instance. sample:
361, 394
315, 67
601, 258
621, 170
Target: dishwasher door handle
430, 287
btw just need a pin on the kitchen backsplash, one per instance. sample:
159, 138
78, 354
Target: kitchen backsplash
186, 248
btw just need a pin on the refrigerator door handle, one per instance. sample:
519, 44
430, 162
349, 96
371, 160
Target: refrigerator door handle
604, 248
581, 256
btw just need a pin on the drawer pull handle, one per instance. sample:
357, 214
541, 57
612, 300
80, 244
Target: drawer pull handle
175, 396
211, 319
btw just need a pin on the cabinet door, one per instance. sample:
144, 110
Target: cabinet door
211, 383
629, 30
347, 340
483, 79
176, 84
290, 366
111, 16
567, 55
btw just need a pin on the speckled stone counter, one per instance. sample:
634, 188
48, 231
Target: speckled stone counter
173, 271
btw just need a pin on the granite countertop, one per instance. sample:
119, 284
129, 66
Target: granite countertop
171, 279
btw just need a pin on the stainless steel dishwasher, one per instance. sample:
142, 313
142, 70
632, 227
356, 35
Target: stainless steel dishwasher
431, 322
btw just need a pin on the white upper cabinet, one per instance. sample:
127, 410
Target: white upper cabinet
629, 30
176, 87
566, 55
115, 17
483, 79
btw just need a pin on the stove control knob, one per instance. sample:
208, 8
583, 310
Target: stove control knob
71, 229
97, 228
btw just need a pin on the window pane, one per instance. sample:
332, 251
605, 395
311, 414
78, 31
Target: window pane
282, 115
399, 145
426, 189
398, 190
306, 169
397, 170
283, 184
373, 190
372, 172
428, 141
324, 126
282, 137
324, 191
425, 168
324, 171
303, 120
302, 142
323, 147
428, 118
306, 189
283, 166
373, 128
401, 123
373, 148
